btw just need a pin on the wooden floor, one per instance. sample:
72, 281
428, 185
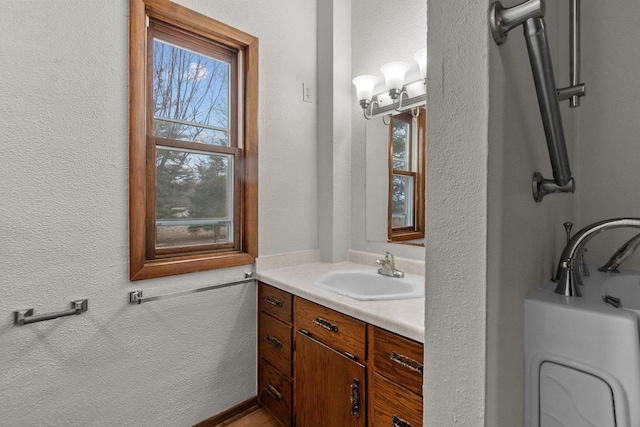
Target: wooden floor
259, 418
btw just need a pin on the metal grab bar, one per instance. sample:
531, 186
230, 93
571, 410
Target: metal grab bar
135, 297
576, 89
24, 317
530, 15
540, 58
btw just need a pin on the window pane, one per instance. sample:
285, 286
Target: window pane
190, 91
401, 145
178, 130
194, 198
402, 201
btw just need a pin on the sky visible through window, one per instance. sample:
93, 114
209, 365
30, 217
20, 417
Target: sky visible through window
194, 189
191, 92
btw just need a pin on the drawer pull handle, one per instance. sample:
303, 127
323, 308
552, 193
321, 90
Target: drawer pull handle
273, 392
274, 342
407, 362
355, 398
273, 301
396, 421
325, 324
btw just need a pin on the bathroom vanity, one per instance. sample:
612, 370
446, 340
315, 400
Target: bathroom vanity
321, 367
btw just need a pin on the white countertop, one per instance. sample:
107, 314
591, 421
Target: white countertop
404, 317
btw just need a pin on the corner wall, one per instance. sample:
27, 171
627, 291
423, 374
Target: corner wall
63, 103
334, 129
608, 124
456, 214
525, 238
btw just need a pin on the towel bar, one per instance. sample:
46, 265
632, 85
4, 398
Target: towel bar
24, 317
135, 297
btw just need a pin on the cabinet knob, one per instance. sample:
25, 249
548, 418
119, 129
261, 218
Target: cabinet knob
273, 341
325, 324
407, 362
273, 392
273, 301
396, 421
355, 398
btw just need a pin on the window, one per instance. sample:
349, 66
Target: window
193, 142
407, 137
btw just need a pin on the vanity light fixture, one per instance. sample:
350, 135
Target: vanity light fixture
394, 75
421, 58
364, 92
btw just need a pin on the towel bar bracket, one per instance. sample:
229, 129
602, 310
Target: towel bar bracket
25, 317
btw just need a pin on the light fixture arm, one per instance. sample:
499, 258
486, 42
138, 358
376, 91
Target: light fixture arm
368, 105
397, 96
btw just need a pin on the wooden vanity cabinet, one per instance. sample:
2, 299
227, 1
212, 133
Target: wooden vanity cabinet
320, 368
342, 333
329, 372
329, 387
275, 352
395, 379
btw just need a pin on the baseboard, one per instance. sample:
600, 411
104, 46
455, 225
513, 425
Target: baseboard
231, 414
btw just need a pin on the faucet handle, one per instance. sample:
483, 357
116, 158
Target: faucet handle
567, 227
389, 257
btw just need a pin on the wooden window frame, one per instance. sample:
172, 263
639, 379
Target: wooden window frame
403, 234
145, 260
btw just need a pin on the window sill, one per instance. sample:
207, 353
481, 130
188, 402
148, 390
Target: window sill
404, 236
189, 264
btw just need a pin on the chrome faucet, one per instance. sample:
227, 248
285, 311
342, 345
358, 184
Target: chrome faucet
621, 255
568, 274
388, 266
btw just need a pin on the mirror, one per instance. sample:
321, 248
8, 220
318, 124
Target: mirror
395, 177
377, 39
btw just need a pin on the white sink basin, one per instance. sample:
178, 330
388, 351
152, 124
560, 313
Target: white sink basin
368, 285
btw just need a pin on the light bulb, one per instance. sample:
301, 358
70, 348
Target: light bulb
421, 58
364, 88
394, 77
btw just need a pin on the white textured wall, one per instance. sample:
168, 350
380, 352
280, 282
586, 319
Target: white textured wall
334, 129
608, 124
381, 32
525, 237
288, 169
456, 253
63, 103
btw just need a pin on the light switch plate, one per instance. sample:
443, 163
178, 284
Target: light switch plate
307, 95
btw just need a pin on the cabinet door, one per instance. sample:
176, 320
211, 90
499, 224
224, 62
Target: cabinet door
329, 388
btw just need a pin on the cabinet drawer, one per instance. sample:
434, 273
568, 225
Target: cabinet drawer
275, 392
394, 405
275, 302
274, 342
340, 332
398, 359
